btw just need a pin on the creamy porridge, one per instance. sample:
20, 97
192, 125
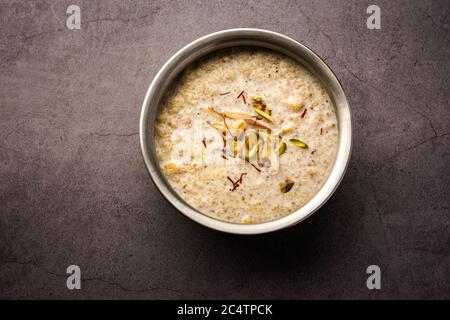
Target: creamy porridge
246, 135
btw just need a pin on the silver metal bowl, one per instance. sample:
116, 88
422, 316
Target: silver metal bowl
249, 38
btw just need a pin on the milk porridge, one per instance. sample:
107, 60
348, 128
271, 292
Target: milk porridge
246, 135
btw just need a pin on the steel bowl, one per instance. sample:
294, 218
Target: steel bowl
248, 38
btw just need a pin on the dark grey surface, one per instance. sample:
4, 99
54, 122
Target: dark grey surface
74, 189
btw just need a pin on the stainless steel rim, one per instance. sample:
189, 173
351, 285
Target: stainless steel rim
254, 38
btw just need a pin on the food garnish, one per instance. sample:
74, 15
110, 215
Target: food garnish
243, 97
215, 113
219, 126
286, 186
172, 168
236, 183
281, 148
241, 125
304, 113
226, 126
259, 103
236, 115
256, 124
260, 107
265, 115
298, 143
257, 169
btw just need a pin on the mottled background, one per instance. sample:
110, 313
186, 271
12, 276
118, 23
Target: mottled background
74, 189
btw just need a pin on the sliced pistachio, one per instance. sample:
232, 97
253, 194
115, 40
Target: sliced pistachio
298, 143
260, 107
259, 103
286, 186
265, 114
236, 115
281, 148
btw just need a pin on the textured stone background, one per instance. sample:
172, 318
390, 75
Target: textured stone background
74, 189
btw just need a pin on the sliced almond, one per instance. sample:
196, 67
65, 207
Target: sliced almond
256, 124
260, 107
236, 115
242, 125
264, 114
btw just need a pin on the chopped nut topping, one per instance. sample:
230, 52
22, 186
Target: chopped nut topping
236, 115
260, 107
298, 143
286, 186
286, 131
281, 148
256, 124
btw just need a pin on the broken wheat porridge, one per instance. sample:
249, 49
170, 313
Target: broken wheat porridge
246, 135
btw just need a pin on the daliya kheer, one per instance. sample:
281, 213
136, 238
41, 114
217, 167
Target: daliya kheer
246, 135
